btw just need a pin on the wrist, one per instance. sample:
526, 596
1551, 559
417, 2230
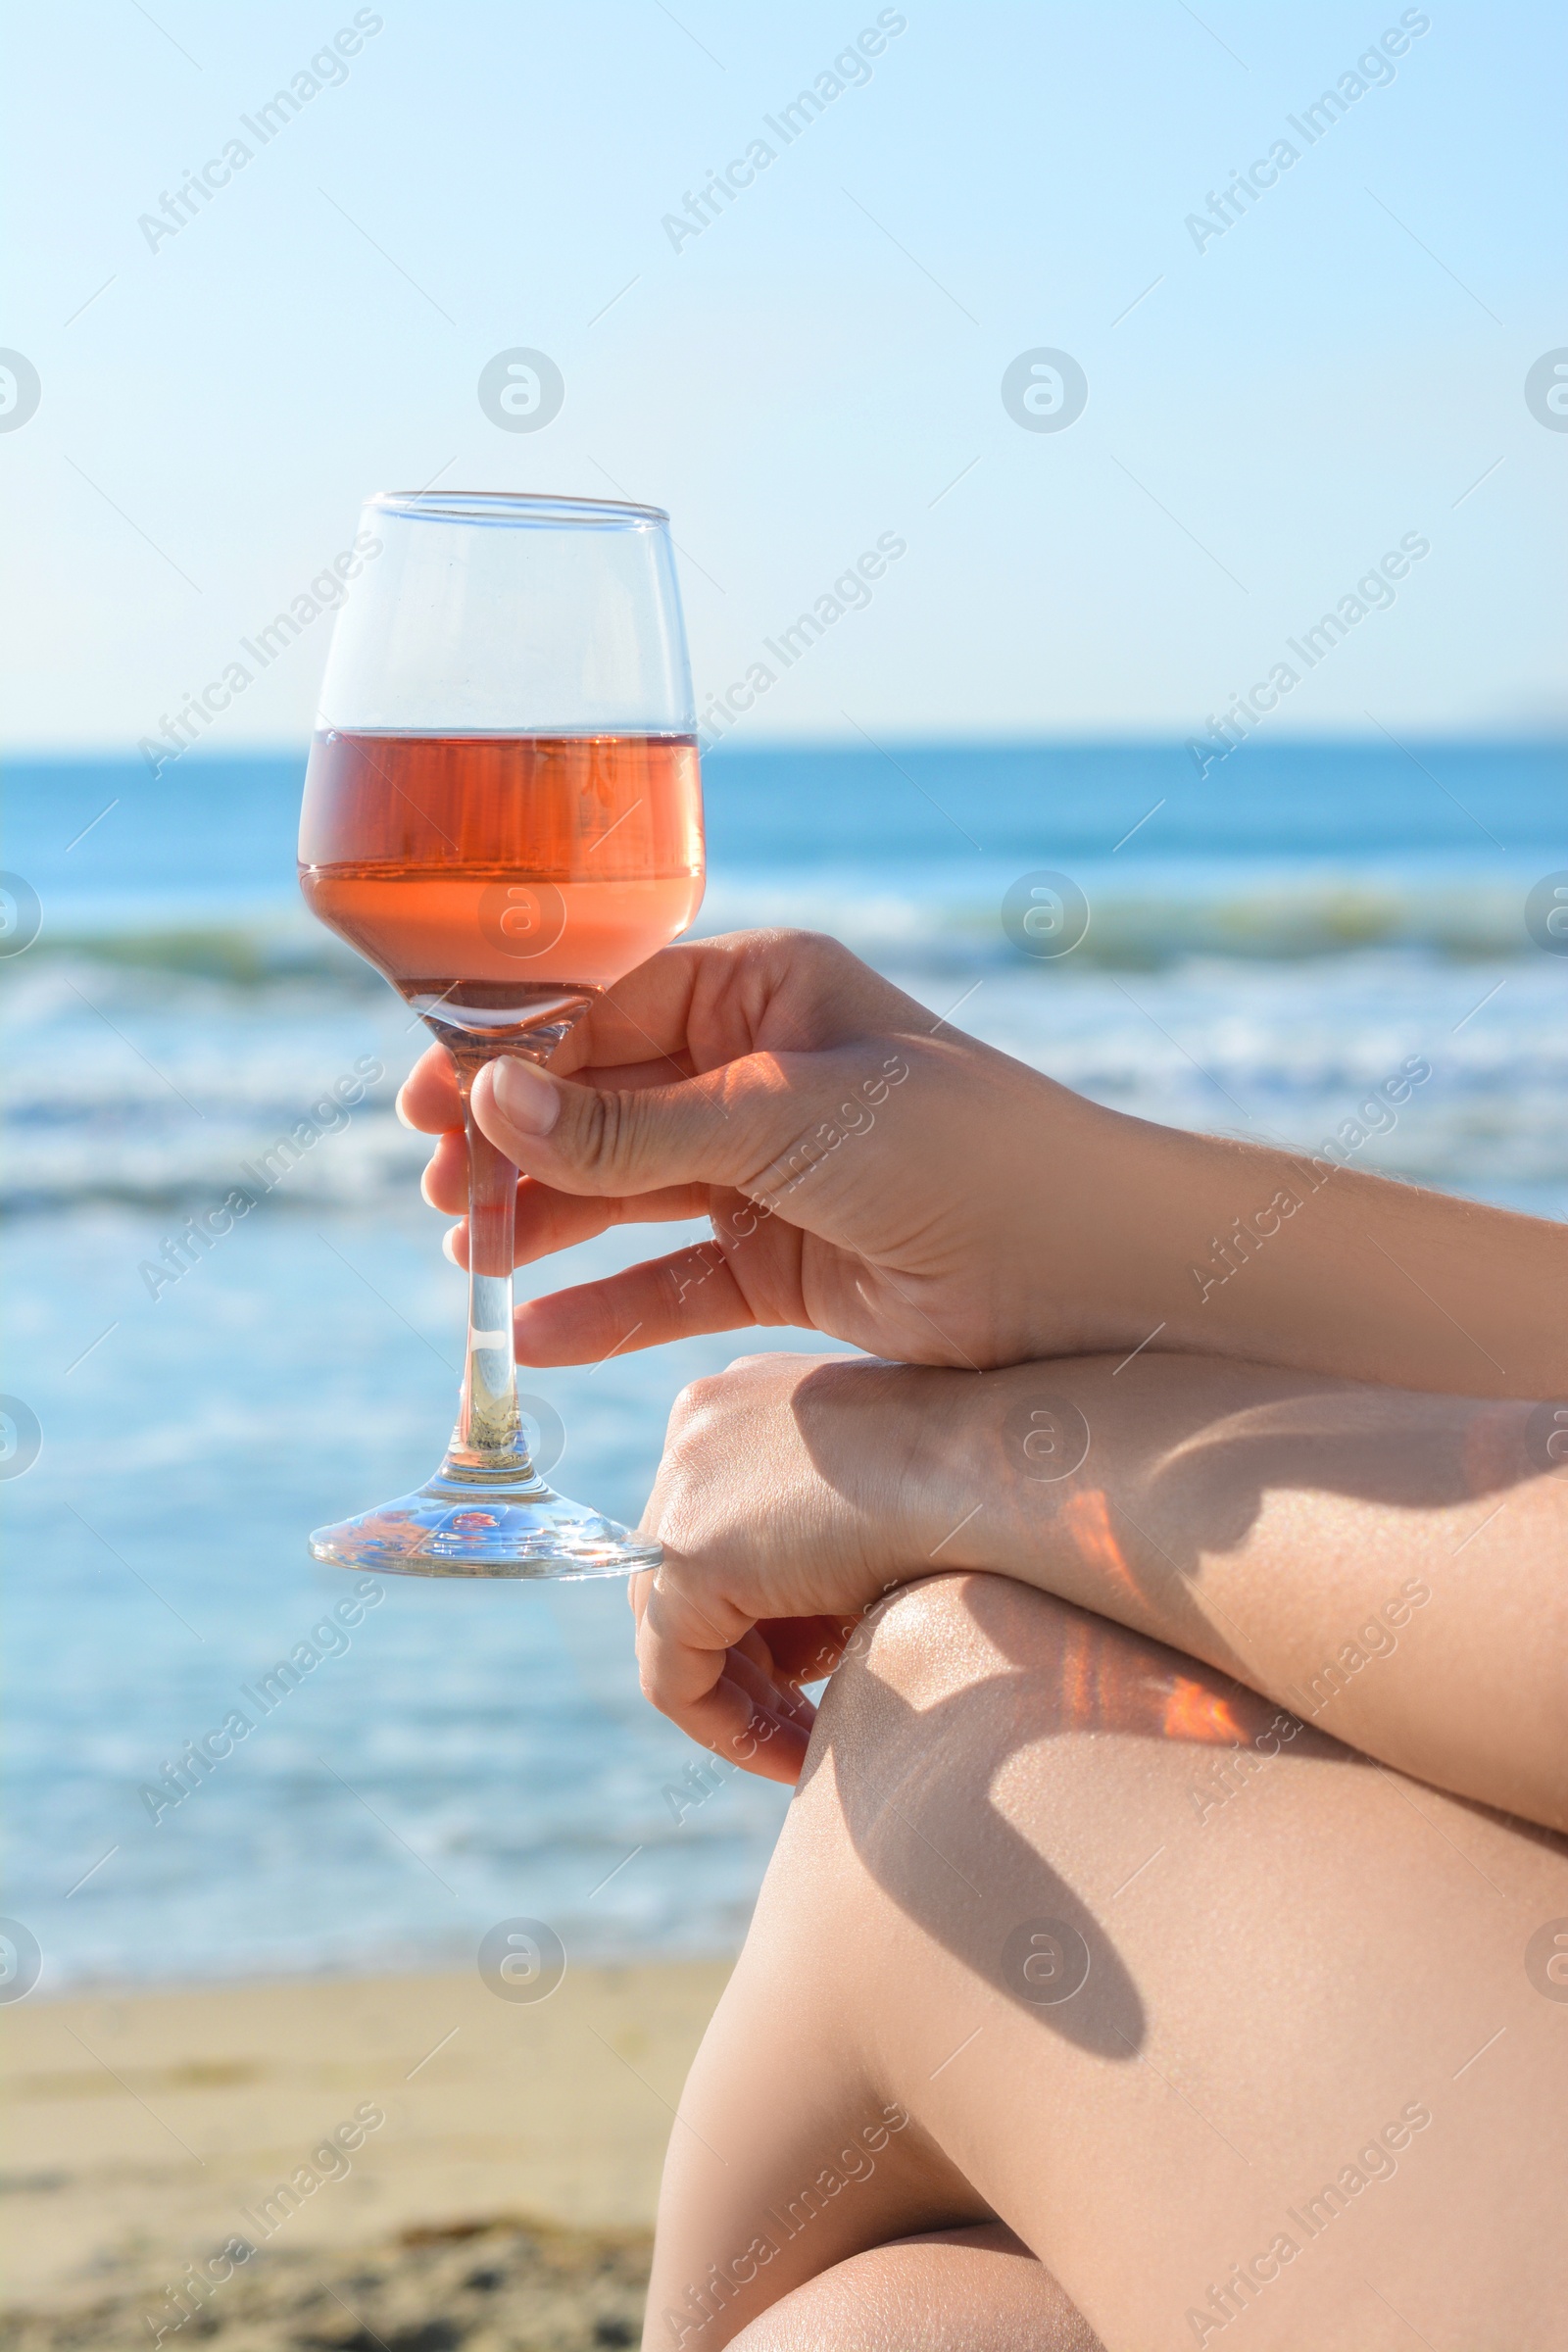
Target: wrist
897, 1435
1092, 1274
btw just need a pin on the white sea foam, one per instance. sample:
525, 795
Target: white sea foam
306, 1365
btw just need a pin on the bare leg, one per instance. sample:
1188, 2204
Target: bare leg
951, 2290
1315, 2078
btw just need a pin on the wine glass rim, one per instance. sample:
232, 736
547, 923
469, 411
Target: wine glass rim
538, 510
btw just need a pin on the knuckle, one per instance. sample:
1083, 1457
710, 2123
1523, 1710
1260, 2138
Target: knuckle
700, 1402
611, 1137
688, 1405
595, 1123
598, 1130
800, 943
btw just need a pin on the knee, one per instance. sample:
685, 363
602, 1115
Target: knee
953, 1645
959, 1759
957, 1671
933, 1636
980, 2287
932, 1681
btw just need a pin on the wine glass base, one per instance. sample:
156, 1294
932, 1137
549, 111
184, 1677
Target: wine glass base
482, 1526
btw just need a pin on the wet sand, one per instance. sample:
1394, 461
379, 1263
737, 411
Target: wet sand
502, 2199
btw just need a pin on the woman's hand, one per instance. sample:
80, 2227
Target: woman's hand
1386, 1565
868, 1172
794, 1491
874, 1174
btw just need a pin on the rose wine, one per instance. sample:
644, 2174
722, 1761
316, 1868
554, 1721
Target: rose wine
500, 881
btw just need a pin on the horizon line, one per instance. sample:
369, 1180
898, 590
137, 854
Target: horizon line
202, 755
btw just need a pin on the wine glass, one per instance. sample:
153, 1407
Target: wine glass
502, 815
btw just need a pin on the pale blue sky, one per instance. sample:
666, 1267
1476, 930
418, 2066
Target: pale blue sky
822, 364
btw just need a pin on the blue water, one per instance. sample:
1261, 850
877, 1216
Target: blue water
1269, 942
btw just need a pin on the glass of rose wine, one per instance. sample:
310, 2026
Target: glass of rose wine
502, 815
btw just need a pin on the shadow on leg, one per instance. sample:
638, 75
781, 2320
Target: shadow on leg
1298, 2050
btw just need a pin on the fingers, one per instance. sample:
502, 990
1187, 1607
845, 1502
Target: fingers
805, 1649
694, 1007
445, 1182
547, 1221
747, 1728
664, 1298
714, 1000
429, 1099
724, 1128
710, 1672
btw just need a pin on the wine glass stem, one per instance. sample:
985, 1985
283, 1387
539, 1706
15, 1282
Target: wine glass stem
488, 1422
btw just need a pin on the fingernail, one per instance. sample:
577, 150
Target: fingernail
524, 1094
404, 1119
449, 1245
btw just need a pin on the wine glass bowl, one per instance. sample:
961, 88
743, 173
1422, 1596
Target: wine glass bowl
503, 813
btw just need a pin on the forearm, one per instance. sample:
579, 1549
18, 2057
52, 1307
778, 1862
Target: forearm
1205, 1244
1388, 1565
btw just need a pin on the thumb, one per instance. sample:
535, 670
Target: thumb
735, 1126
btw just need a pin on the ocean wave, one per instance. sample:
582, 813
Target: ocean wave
150, 1063
1149, 925
939, 918
164, 1097
266, 949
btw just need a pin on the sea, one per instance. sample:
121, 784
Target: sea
1264, 943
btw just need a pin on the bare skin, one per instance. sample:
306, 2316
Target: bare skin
1384, 1564
970, 1211
1237, 1549
946, 2290
1280, 1989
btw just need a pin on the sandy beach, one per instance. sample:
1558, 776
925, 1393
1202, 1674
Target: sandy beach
503, 2199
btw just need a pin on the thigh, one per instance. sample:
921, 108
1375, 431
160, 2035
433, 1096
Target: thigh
1226, 2023
951, 2291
